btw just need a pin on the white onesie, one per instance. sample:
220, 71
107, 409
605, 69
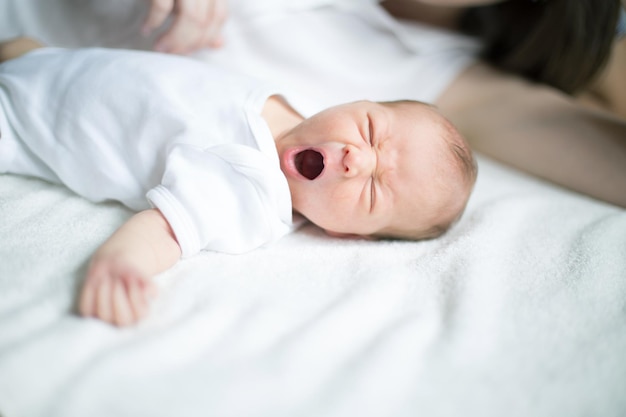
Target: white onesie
147, 130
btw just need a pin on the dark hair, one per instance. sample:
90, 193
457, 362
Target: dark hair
563, 43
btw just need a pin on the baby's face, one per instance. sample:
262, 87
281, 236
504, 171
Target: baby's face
369, 168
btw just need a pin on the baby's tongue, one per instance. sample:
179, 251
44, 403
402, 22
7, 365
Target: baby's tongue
310, 163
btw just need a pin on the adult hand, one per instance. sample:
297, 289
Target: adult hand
195, 24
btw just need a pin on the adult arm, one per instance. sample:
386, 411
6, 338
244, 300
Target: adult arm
540, 131
194, 24
608, 91
118, 288
17, 47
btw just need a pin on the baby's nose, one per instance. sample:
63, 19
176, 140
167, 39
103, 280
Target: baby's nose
357, 161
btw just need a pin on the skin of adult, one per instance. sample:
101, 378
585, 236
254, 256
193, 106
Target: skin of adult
192, 24
542, 131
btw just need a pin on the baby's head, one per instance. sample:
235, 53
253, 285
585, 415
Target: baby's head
390, 170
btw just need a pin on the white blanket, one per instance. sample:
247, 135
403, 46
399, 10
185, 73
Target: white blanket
520, 310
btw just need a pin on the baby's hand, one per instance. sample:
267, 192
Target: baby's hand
195, 24
115, 292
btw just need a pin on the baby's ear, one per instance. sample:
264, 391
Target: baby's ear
348, 235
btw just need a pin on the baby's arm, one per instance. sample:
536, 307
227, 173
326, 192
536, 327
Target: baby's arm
117, 288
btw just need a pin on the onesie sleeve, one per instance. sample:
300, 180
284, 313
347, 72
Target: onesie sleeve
227, 198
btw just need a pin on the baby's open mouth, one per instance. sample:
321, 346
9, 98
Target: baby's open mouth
309, 163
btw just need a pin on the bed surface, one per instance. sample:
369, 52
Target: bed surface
519, 310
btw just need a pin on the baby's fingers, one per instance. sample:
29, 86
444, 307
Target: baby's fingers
115, 292
140, 294
123, 314
89, 293
87, 300
103, 308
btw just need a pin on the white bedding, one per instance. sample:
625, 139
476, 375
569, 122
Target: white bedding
520, 310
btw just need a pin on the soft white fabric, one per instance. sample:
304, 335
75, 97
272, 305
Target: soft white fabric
311, 47
341, 53
520, 310
118, 124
